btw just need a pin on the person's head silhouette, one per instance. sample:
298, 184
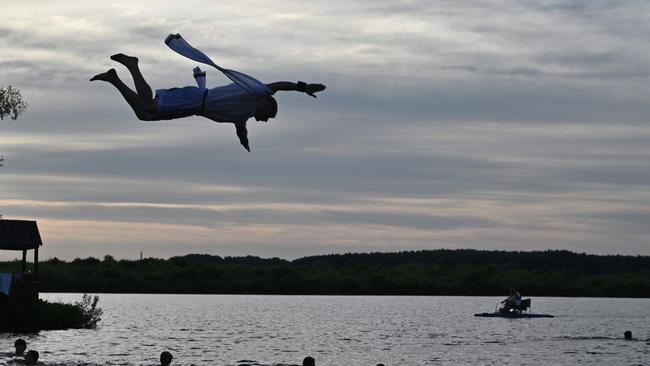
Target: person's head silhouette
166, 358
268, 110
20, 346
627, 334
31, 357
309, 361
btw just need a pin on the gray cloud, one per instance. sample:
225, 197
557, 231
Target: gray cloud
502, 125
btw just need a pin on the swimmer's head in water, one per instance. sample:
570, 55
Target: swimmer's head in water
31, 357
20, 345
166, 358
309, 361
627, 334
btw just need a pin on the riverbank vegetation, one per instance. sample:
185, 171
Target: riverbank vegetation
434, 272
23, 315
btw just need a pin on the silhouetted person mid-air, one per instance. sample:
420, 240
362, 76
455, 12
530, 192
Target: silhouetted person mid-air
234, 103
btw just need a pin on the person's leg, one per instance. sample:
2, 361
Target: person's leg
131, 97
131, 63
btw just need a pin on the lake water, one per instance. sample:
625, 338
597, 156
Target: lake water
347, 330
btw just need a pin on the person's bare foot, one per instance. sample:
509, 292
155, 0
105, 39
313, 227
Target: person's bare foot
125, 59
105, 76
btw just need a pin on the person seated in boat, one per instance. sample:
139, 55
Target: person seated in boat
166, 358
512, 302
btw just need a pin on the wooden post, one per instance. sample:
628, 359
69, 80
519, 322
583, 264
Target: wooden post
36, 262
24, 260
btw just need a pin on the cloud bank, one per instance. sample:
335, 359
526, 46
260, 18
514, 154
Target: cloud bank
499, 125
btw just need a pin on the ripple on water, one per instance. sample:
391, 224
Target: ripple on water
281, 330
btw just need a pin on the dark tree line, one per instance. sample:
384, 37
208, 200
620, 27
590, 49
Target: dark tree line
435, 272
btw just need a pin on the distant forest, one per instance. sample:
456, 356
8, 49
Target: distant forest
427, 272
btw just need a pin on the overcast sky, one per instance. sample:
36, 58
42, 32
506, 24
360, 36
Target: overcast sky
515, 125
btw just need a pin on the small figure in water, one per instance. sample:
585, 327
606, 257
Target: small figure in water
233, 103
166, 358
31, 358
20, 345
627, 335
309, 361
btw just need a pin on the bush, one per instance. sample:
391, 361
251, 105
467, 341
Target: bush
91, 315
30, 316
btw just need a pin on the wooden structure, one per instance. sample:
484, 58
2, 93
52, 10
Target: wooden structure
22, 235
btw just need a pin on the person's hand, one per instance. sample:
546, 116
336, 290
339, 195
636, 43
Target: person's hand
310, 89
197, 71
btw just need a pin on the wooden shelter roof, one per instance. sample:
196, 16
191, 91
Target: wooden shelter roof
19, 235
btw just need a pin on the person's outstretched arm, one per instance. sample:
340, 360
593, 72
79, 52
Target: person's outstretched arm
300, 86
242, 133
